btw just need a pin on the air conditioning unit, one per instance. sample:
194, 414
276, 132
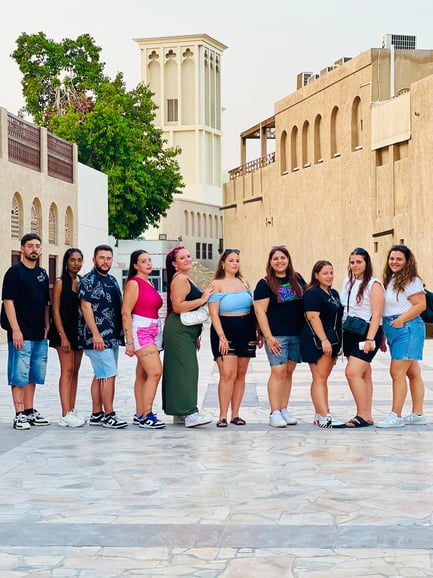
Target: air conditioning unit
302, 79
326, 70
399, 41
342, 60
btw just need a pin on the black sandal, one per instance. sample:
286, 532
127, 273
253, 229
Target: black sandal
221, 423
238, 421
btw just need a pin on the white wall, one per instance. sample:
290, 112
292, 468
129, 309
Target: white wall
92, 212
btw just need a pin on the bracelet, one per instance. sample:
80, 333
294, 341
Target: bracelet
129, 342
366, 339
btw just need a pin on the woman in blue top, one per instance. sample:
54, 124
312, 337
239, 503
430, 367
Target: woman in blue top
233, 334
280, 315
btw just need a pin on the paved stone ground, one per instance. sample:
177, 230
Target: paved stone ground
247, 501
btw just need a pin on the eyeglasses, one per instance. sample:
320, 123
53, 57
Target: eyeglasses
231, 251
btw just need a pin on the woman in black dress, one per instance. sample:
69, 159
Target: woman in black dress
63, 335
321, 337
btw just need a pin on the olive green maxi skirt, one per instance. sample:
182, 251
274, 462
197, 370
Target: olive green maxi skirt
180, 366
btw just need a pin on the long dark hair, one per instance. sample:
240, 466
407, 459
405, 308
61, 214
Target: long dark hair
317, 267
219, 271
273, 281
132, 271
171, 270
406, 275
368, 273
65, 277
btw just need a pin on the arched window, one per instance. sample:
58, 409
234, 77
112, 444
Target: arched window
216, 228
186, 222
356, 123
17, 217
294, 149
317, 139
192, 223
210, 226
52, 225
305, 156
334, 133
35, 218
283, 152
69, 227
204, 226
198, 224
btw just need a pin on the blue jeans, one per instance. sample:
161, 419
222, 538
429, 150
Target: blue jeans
29, 364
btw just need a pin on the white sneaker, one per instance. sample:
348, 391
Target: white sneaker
288, 417
196, 419
391, 421
276, 419
71, 420
20, 422
323, 421
78, 415
415, 419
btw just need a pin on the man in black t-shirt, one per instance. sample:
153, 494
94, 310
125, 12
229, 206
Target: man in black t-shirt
25, 316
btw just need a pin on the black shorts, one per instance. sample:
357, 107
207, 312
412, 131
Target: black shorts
351, 345
241, 334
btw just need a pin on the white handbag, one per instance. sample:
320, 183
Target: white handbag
195, 317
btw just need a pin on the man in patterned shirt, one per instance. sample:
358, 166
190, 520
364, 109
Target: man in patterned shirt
100, 334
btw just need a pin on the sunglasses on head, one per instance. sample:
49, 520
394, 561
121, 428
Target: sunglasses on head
237, 251
279, 247
399, 248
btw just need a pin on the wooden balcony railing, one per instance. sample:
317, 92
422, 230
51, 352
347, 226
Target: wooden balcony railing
252, 166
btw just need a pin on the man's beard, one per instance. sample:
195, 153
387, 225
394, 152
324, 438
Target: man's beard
102, 271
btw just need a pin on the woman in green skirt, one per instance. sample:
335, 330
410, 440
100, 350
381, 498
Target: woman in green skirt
181, 342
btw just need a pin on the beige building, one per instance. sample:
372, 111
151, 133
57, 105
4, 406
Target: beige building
38, 180
184, 73
352, 167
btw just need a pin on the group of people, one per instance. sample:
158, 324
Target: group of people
312, 322
296, 322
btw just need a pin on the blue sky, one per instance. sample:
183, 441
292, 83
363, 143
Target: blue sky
269, 42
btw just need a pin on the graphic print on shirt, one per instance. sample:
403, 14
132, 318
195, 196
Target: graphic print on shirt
287, 293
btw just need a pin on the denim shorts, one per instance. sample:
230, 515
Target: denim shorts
104, 362
290, 350
29, 364
407, 342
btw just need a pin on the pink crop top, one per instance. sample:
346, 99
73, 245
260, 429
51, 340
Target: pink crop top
149, 300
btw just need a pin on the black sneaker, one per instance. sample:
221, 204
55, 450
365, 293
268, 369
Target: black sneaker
97, 418
21, 422
35, 418
113, 421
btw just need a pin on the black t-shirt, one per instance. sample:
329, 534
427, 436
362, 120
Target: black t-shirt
28, 289
327, 304
285, 310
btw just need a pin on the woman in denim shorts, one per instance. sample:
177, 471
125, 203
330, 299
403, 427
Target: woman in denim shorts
280, 314
405, 333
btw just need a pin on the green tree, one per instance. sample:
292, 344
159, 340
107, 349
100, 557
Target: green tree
65, 90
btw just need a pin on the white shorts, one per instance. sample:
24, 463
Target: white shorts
146, 331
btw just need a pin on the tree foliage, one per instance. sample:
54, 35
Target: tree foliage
66, 90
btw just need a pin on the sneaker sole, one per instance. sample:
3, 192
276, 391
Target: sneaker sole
391, 426
279, 425
161, 426
198, 424
38, 424
22, 428
122, 426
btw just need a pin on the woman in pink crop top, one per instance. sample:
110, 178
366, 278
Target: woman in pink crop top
143, 336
